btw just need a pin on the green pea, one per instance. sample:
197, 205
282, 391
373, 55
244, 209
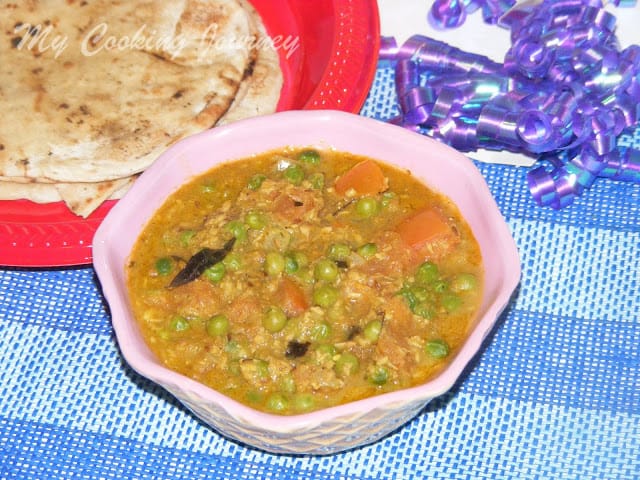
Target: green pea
294, 174
288, 384
186, 236
336, 313
339, 251
427, 273
321, 331
317, 180
440, 286
325, 296
256, 181
367, 250
218, 325
451, 302
326, 350
277, 402
437, 348
326, 270
372, 330
386, 199
274, 319
347, 364
208, 188
274, 263
232, 262
261, 368
309, 156
255, 369
179, 324
234, 367
235, 350
290, 264
306, 276
301, 259
379, 375
254, 397
255, 220
164, 266
303, 402
367, 207
215, 273
237, 229
464, 282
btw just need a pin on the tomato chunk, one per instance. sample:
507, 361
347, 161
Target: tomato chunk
294, 301
364, 178
422, 227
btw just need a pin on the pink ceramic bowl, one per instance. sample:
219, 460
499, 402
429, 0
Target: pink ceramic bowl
346, 426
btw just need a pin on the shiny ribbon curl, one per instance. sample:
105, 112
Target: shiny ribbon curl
564, 92
447, 14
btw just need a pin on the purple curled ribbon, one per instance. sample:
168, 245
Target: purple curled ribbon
388, 51
417, 103
446, 14
564, 92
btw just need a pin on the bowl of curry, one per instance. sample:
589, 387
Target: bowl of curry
306, 282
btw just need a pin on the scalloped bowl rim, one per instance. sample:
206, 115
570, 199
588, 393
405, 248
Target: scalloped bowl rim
324, 129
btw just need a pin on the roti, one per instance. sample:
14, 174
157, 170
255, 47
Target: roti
98, 89
259, 91
102, 114
82, 198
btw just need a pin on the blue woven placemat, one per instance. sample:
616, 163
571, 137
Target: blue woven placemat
554, 394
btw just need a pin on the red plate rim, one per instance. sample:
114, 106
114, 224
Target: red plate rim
50, 235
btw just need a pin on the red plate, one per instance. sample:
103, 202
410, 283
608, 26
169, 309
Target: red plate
332, 68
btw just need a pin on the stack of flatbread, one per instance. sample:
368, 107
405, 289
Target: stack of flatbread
92, 91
